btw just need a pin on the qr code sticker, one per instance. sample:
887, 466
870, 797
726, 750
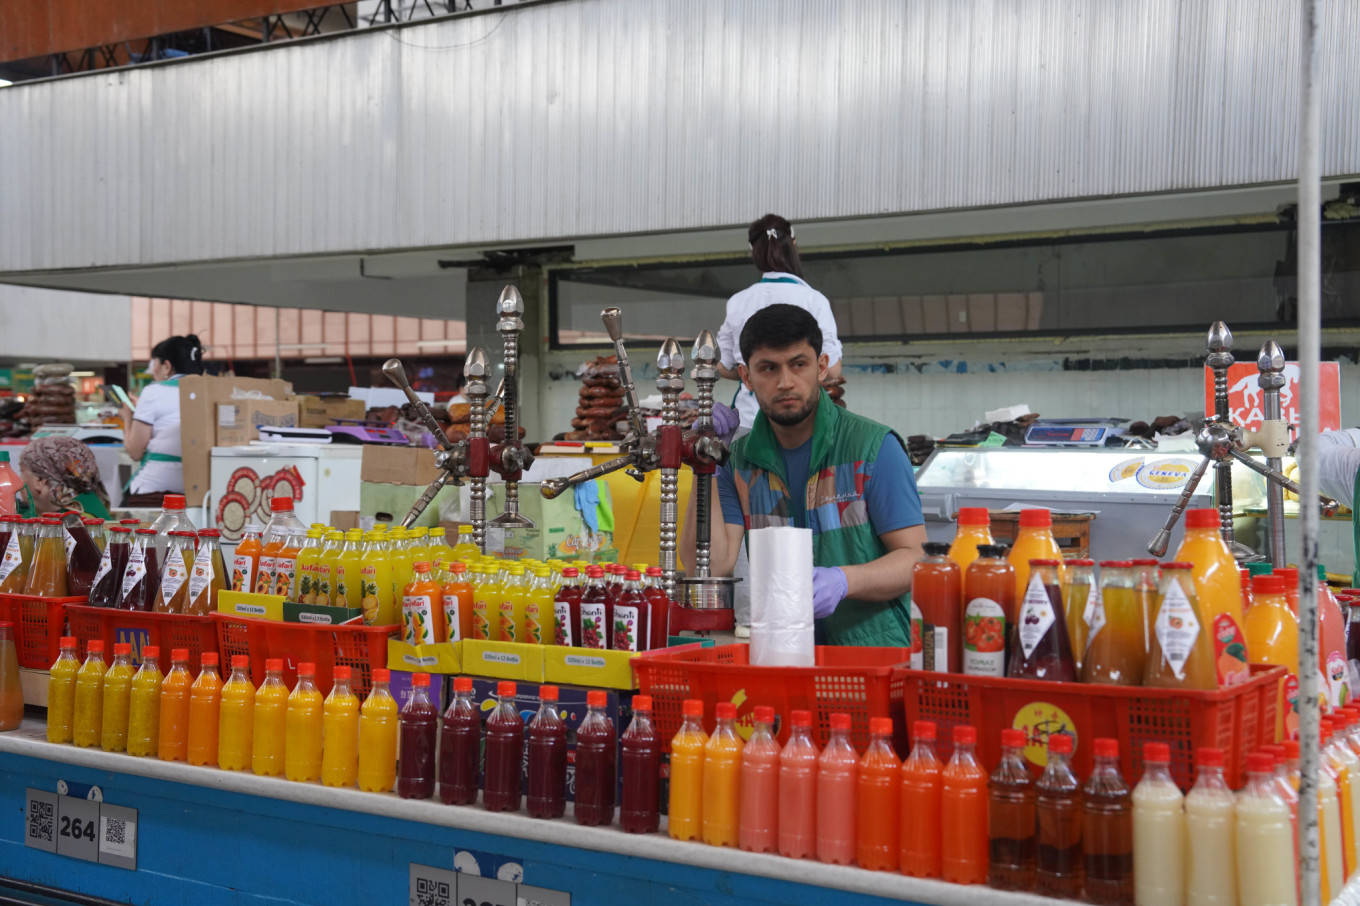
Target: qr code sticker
115, 831
42, 821
431, 892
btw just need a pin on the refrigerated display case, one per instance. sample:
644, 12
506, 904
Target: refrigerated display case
319, 477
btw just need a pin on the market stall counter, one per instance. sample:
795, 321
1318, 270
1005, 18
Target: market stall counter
140, 829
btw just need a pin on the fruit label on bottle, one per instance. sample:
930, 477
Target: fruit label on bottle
562, 624
135, 571
1290, 705
917, 643
1337, 679
481, 626
1036, 616
242, 573
304, 594
1093, 614
321, 583
984, 638
1230, 651
453, 616
418, 611
201, 575
509, 631
284, 570
105, 565
173, 577
592, 626
264, 576
533, 623
14, 556
1177, 629
625, 635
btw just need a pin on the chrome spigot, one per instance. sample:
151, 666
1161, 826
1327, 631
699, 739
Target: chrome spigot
510, 458
1219, 359
670, 380
451, 458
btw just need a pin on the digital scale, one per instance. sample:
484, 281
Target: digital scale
1073, 432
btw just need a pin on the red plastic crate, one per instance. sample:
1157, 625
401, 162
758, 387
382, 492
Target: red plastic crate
1237, 720
139, 629
861, 682
39, 623
360, 647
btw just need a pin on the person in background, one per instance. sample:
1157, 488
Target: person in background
1338, 469
151, 431
60, 473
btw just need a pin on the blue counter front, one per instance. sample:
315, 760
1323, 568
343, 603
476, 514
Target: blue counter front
206, 836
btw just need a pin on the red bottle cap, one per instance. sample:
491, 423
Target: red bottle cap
1159, 752
570, 572
923, 730
642, 703
1106, 748
1260, 763
1115, 564
132, 523
1060, 743
120, 529
95, 646
597, 698
209, 533
1207, 757
119, 648
549, 694
800, 718
1081, 562
505, 689
974, 515
151, 653
1291, 750
692, 708
273, 664
1012, 738
1205, 518
422, 567
420, 681
382, 675
240, 660
306, 668
632, 575
653, 571
179, 654
1267, 585
965, 735
173, 502
281, 505
146, 531
1045, 562
342, 672
67, 641
1145, 561
840, 721
91, 521
594, 572
880, 726
725, 711
1178, 566
209, 659
1036, 518
763, 714
462, 684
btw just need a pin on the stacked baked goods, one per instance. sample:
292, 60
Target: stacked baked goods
599, 407
835, 388
53, 400
460, 422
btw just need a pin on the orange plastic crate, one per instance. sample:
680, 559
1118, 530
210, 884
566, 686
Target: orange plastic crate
139, 628
357, 646
39, 623
1237, 720
861, 682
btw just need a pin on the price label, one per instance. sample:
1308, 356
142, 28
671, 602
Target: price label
78, 828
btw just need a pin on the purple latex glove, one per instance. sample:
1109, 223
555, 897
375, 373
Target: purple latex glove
726, 421
829, 588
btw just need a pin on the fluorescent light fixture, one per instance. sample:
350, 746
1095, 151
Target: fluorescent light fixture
5, 83
423, 343
291, 346
82, 374
323, 360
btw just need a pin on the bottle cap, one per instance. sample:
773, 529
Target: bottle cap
965, 735
1175, 566
506, 689
130, 523
1157, 752
974, 515
1291, 750
800, 718
382, 675
549, 694
1012, 738
653, 571
422, 567
570, 572
763, 714
179, 654
991, 551
91, 521
1267, 585
632, 575
1036, 518
420, 681
273, 665
1106, 748
880, 726
342, 673
725, 711
1060, 743
1081, 561
936, 549
692, 708
642, 703
306, 668
1115, 564
120, 649
150, 653
1045, 562
67, 641
923, 730
1207, 757
120, 529
146, 531
173, 502
1204, 518
1260, 762
240, 660
209, 533
1145, 561
458, 567
840, 721
462, 684
281, 505
596, 698
95, 646
209, 659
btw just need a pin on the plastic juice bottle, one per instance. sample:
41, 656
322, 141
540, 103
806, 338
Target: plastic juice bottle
567, 609
283, 536
10, 485
269, 732
486, 596
1182, 655
207, 575
465, 548
1219, 590
919, 806
144, 705
1350, 741
1209, 852
1273, 638
17, 557
686, 809
1344, 765
988, 610
937, 590
547, 795
47, 570
308, 559
1290, 576
172, 593
456, 596
597, 610
596, 764
1011, 834
876, 808
504, 753
758, 817
205, 698
236, 717
1114, 649
1057, 805
116, 699
1033, 541
963, 813
538, 607
378, 727
460, 746
722, 779
89, 694
245, 562
1040, 648
658, 609
61, 691
402, 554
798, 790
513, 604
328, 568
837, 770
172, 518
349, 571
640, 763
1159, 830
375, 584
1079, 596
1332, 644
974, 529
303, 727
1333, 867
173, 743
422, 609
630, 627
1147, 577
340, 732
1265, 839
1107, 829
419, 733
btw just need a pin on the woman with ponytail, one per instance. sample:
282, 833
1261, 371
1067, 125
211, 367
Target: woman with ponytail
151, 434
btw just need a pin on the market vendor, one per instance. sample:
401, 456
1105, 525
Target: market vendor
1338, 469
860, 495
151, 432
60, 473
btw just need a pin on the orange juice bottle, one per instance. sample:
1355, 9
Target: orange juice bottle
303, 728
378, 720
1011, 827
245, 562
61, 692
457, 597
974, 528
758, 822
85, 724
340, 731
422, 609
798, 790
173, 736
1033, 541
837, 771
236, 717
144, 704
919, 810
47, 570
1273, 638
267, 736
687, 773
876, 815
722, 779
1114, 648
113, 720
283, 536
1147, 575
1079, 596
1219, 589
1182, 654
205, 699
963, 813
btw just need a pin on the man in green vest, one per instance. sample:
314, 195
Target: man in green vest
811, 464
1338, 469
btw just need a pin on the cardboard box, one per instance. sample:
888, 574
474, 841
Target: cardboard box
320, 411
400, 684
198, 398
246, 604
239, 421
503, 660
442, 657
559, 530
589, 667
322, 614
386, 464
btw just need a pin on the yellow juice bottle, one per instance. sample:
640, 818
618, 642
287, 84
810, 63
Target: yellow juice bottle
974, 527
1079, 593
398, 548
328, 570
1182, 655
465, 548
722, 779
61, 692
89, 696
144, 705
376, 596
511, 626
437, 549
486, 598
1219, 588
173, 734
205, 699
113, 721
308, 561
687, 774
340, 725
236, 717
538, 607
302, 728
418, 543
269, 732
378, 737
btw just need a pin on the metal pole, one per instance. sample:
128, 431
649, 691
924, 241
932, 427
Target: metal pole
1310, 343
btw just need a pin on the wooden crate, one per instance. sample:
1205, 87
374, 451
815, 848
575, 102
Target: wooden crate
1072, 532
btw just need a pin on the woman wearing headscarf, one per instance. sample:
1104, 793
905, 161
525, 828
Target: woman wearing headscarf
60, 473
152, 430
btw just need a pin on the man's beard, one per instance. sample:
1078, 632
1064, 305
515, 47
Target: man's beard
793, 418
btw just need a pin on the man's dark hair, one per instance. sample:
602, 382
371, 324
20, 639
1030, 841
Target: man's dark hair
772, 248
779, 327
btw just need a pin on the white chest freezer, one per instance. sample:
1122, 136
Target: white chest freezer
319, 478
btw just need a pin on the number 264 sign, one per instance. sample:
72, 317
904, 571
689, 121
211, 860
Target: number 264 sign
1246, 403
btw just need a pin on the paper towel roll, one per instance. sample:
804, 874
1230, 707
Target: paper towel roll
781, 597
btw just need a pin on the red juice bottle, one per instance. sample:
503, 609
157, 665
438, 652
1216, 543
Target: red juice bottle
937, 589
108, 580
597, 610
614, 573
837, 773
567, 609
596, 758
547, 759
963, 813
658, 609
460, 746
629, 631
1040, 648
876, 811
83, 563
798, 790
419, 722
504, 753
758, 813
1058, 808
919, 805
640, 761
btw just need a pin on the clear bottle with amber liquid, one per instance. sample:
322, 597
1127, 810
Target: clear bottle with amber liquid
1057, 805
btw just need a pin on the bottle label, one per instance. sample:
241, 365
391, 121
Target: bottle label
562, 624
481, 626
452, 616
917, 643
509, 631
625, 635
1336, 680
70, 543
419, 613
242, 573
105, 566
264, 577
984, 638
135, 571
1230, 651
321, 583
284, 570
1093, 615
1177, 629
1290, 704
533, 623
1036, 616
592, 625
304, 577
173, 577
201, 575
935, 648
13, 557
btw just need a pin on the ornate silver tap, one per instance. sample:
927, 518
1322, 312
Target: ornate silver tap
1219, 359
510, 458
704, 452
